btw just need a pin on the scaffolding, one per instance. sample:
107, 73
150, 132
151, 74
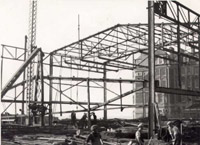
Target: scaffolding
95, 58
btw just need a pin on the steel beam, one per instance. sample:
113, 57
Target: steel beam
88, 94
42, 86
67, 102
177, 91
19, 72
179, 49
50, 89
151, 61
105, 93
115, 98
93, 79
24, 74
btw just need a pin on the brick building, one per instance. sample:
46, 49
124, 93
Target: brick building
170, 105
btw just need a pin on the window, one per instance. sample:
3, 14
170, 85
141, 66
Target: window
184, 98
175, 82
138, 73
196, 70
139, 98
157, 72
163, 83
157, 61
183, 83
146, 97
183, 70
189, 81
139, 85
189, 71
172, 99
175, 72
185, 59
196, 82
138, 77
178, 98
161, 61
163, 71
160, 98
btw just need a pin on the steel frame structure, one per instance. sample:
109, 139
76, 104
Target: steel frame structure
114, 50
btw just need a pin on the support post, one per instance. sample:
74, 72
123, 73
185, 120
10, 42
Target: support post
151, 61
105, 93
42, 87
24, 75
143, 97
120, 87
15, 104
50, 88
88, 93
2, 57
179, 50
162, 35
60, 96
199, 54
199, 49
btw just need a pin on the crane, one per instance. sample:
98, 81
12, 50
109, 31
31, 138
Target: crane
31, 46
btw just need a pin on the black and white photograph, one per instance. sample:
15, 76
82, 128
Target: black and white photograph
100, 72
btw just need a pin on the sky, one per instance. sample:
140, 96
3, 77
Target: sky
57, 20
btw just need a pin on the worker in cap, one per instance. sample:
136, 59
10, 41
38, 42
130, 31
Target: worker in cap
138, 135
94, 127
94, 137
174, 133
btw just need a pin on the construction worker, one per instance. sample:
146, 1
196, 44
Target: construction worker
83, 121
94, 137
174, 133
138, 135
73, 119
94, 121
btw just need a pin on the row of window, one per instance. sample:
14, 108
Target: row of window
189, 70
160, 98
143, 98
187, 82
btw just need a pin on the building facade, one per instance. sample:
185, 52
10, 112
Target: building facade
170, 105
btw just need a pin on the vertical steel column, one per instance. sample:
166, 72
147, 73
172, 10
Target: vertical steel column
42, 85
143, 97
15, 104
120, 87
50, 88
60, 96
162, 35
151, 60
179, 49
105, 93
88, 93
199, 48
133, 77
2, 65
24, 75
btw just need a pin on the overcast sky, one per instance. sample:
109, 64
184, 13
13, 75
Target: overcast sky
57, 20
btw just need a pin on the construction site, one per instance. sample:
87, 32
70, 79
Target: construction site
117, 79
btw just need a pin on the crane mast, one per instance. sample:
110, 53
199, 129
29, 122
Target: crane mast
31, 46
